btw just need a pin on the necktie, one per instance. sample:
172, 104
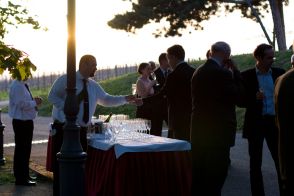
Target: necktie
165, 73
27, 87
86, 102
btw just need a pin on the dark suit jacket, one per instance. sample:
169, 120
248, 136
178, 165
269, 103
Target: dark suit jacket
284, 104
215, 91
253, 107
177, 90
160, 79
161, 106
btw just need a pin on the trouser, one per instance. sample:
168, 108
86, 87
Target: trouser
156, 124
57, 140
209, 170
23, 135
266, 130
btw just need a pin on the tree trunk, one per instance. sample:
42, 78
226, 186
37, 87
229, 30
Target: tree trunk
279, 27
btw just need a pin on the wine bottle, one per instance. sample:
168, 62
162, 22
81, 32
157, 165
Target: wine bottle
108, 118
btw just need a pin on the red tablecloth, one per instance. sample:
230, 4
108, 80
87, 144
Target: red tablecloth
140, 173
49, 155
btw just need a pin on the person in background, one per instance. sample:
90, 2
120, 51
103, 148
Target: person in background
292, 61
284, 107
160, 107
86, 87
208, 54
153, 67
23, 110
259, 121
177, 90
144, 88
216, 89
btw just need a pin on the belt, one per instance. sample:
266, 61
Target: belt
268, 117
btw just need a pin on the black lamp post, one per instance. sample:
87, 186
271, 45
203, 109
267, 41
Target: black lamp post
71, 156
2, 126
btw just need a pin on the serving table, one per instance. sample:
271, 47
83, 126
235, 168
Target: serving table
147, 165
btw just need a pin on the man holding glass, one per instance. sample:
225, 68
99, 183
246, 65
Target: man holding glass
259, 121
89, 94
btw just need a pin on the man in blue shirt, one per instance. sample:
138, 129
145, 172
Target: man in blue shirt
259, 122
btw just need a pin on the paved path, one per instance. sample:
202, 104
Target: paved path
237, 183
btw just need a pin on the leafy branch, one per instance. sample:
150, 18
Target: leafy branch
15, 61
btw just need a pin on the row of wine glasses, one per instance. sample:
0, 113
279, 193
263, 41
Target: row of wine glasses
132, 129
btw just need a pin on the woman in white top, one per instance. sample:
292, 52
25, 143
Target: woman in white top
144, 88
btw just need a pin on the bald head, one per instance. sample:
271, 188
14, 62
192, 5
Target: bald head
87, 66
220, 50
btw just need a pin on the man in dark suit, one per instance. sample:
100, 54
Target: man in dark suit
284, 105
259, 121
160, 107
177, 90
216, 88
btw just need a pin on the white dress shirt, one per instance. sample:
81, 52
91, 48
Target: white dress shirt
97, 95
21, 104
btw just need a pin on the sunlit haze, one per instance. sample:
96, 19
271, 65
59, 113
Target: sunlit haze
111, 47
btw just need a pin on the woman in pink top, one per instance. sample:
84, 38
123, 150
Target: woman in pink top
144, 88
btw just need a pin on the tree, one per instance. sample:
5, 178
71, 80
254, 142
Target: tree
15, 61
180, 14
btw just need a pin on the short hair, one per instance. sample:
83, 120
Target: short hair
220, 47
152, 64
208, 54
142, 66
86, 59
177, 51
162, 57
259, 51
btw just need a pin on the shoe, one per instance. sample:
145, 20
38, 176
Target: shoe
26, 183
33, 178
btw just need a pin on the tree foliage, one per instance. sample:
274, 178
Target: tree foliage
180, 14
15, 61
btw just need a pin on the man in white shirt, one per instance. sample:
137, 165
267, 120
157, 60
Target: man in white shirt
95, 95
22, 110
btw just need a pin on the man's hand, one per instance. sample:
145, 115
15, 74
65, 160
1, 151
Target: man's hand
230, 64
260, 95
132, 99
38, 100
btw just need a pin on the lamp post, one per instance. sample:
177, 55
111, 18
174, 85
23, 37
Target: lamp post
71, 156
2, 126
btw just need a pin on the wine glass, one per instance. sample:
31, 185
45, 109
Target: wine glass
153, 76
134, 89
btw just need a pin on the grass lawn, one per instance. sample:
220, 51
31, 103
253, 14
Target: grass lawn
122, 86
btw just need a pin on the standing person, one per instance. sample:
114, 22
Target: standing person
177, 90
216, 88
22, 110
144, 88
259, 121
86, 87
153, 67
162, 71
160, 107
284, 105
